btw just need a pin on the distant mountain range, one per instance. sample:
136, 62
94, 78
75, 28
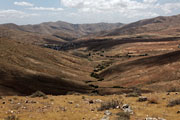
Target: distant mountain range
163, 25
57, 31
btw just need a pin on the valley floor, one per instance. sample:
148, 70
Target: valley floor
86, 107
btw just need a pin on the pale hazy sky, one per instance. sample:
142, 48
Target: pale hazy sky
84, 11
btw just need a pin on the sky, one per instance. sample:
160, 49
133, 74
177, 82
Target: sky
84, 11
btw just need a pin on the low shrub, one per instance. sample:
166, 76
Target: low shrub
153, 100
95, 75
174, 103
39, 94
94, 86
12, 117
133, 94
123, 116
117, 87
100, 79
174, 90
109, 105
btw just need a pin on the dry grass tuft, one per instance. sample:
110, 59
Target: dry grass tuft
133, 94
109, 105
123, 116
12, 117
153, 100
39, 94
174, 102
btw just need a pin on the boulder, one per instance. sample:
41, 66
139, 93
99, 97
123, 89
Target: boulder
142, 99
127, 108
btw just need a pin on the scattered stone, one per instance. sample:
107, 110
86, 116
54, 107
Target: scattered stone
107, 113
77, 106
178, 112
91, 102
92, 109
126, 108
151, 118
63, 109
168, 93
26, 101
3, 102
70, 102
142, 99
98, 101
161, 119
24, 107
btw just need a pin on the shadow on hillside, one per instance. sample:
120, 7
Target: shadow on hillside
99, 44
28, 84
147, 62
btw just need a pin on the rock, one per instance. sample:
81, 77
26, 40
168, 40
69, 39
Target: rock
91, 102
178, 112
3, 102
107, 113
126, 108
98, 101
62, 109
33, 102
77, 106
105, 118
150, 118
161, 119
92, 109
142, 99
70, 102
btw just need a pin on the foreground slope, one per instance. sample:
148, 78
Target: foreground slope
62, 107
26, 68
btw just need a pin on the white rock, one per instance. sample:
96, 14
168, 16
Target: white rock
107, 113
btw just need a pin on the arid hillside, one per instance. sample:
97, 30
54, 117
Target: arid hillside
50, 58
25, 69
